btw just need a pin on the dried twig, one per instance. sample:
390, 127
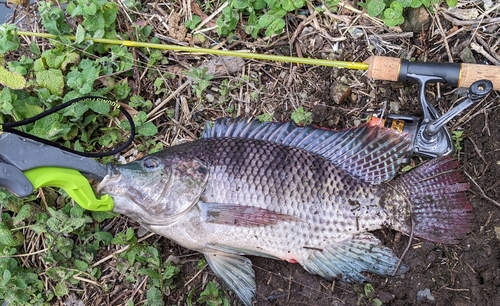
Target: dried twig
480, 49
481, 192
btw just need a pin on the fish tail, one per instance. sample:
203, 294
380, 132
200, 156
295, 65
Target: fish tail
436, 206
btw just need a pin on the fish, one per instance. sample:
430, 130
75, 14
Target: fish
303, 194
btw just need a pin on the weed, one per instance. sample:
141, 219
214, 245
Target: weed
201, 79
457, 137
268, 15
68, 238
366, 297
301, 117
266, 117
212, 296
391, 12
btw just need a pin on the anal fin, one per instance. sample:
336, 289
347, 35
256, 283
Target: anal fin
349, 258
236, 272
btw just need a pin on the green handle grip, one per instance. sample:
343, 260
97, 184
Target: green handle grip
73, 182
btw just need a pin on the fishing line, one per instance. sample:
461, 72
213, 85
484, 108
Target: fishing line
10, 126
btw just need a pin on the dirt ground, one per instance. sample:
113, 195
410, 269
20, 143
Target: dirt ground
463, 274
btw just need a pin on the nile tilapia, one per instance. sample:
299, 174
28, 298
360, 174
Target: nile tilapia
302, 194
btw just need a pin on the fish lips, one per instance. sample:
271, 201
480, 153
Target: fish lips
110, 181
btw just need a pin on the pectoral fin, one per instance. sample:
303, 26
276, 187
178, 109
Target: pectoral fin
236, 272
240, 215
240, 251
347, 259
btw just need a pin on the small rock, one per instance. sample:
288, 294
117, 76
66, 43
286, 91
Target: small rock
416, 20
210, 98
394, 107
356, 32
488, 4
467, 56
425, 295
339, 91
464, 14
497, 231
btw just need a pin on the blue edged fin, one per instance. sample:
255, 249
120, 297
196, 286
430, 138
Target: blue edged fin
236, 272
240, 215
369, 152
347, 259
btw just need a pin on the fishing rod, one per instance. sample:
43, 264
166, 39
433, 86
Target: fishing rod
377, 67
430, 136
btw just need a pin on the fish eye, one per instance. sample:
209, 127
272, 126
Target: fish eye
150, 163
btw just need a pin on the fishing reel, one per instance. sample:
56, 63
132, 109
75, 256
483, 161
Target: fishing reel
430, 136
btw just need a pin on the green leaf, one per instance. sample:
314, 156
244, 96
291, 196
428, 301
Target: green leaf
375, 7
240, 4
265, 20
25, 212
105, 237
61, 289
416, 3
154, 297
99, 106
210, 295
7, 237
266, 117
122, 90
100, 216
405, 3
259, 5
170, 271
5, 278
275, 27
12, 80
147, 129
301, 117
452, 3
190, 24
81, 265
53, 19
9, 41
6, 106
35, 48
80, 34
393, 16
51, 79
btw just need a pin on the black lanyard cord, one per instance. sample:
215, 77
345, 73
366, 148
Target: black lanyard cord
10, 127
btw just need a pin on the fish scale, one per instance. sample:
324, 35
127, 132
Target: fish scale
331, 187
273, 190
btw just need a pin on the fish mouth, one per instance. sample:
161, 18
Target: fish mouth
112, 178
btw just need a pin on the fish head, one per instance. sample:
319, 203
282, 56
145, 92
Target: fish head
155, 190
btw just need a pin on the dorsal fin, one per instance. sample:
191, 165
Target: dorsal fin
369, 152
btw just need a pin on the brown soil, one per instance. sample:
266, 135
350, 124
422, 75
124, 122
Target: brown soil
463, 274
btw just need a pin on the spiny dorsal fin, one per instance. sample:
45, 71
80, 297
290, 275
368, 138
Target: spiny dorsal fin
370, 153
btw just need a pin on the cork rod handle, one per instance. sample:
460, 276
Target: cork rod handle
473, 72
461, 75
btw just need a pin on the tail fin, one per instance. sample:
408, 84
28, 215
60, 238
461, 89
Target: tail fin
439, 206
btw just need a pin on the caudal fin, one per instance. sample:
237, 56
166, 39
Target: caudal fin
440, 209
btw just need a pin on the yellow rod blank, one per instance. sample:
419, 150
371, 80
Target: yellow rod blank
267, 57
